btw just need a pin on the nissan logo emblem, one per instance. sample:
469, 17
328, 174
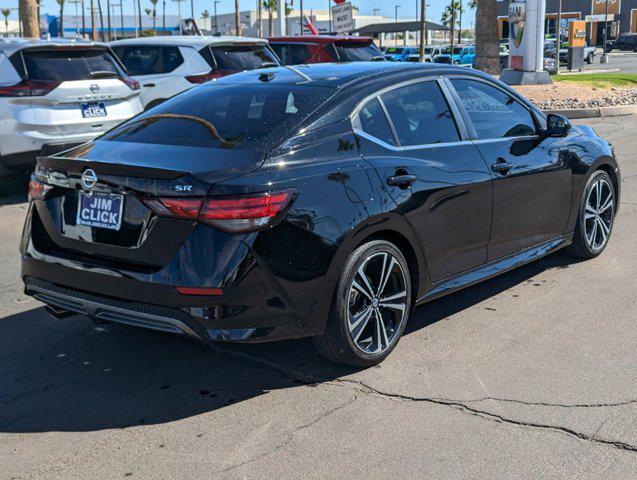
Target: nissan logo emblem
89, 178
95, 88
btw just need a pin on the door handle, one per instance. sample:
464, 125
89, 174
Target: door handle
501, 166
401, 180
149, 85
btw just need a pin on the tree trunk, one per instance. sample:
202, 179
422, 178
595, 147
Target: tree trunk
270, 21
237, 21
99, 10
93, 31
29, 18
487, 41
61, 34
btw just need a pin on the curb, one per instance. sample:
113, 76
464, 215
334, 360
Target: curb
596, 112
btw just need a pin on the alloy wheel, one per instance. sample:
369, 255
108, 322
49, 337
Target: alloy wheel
377, 303
598, 215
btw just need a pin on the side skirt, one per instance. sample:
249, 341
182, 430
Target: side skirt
495, 268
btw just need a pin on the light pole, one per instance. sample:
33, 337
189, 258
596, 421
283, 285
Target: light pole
375, 11
113, 6
605, 56
216, 24
181, 32
396, 13
77, 17
558, 44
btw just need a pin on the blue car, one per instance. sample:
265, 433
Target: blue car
462, 55
400, 54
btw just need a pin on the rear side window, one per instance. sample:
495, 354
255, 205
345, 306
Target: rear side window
493, 113
242, 57
356, 52
291, 53
66, 65
222, 115
420, 114
149, 59
373, 121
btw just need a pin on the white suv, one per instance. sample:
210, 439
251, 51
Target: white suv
166, 66
55, 94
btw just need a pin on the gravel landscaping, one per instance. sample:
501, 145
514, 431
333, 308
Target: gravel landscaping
564, 95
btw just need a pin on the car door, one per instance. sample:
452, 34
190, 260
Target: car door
532, 175
432, 171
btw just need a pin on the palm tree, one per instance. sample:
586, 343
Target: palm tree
154, 3
270, 5
237, 22
5, 13
450, 15
29, 18
99, 9
61, 4
205, 15
139, 15
487, 37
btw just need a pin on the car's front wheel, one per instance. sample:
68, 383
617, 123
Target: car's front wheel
596, 215
370, 307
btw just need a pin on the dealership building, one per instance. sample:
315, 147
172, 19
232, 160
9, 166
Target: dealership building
622, 17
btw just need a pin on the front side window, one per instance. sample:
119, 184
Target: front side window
373, 121
420, 114
291, 53
149, 59
494, 113
356, 52
236, 58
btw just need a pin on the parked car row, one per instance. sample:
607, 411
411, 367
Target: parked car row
55, 94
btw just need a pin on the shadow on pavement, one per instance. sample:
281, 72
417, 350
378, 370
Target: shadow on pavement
70, 375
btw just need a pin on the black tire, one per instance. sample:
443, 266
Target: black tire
337, 344
580, 247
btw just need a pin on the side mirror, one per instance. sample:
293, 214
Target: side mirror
557, 125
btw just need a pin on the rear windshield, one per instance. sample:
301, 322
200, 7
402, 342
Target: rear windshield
223, 116
357, 52
66, 65
239, 57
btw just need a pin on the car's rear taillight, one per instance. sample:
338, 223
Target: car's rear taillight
28, 88
204, 77
130, 82
37, 189
231, 213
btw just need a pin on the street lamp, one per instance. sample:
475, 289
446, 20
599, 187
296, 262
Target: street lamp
181, 32
605, 56
121, 14
77, 17
396, 12
216, 24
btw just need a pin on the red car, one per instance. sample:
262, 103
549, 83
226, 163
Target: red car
324, 48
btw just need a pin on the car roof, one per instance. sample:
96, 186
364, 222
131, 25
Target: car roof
337, 75
321, 39
198, 41
9, 46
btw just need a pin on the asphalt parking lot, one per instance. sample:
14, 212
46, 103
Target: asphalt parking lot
623, 62
530, 375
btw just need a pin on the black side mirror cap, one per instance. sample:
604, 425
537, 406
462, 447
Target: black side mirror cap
557, 125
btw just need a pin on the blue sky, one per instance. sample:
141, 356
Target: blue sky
386, 7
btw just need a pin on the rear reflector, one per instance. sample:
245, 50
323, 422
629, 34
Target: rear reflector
28, 88
37, 189
204, 77
209, 292
232, 213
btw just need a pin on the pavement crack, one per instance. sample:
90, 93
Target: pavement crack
463, 407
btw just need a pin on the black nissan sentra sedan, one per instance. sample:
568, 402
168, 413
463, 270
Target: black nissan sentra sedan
323, 200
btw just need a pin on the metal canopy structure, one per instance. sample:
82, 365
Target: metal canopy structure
397, 27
